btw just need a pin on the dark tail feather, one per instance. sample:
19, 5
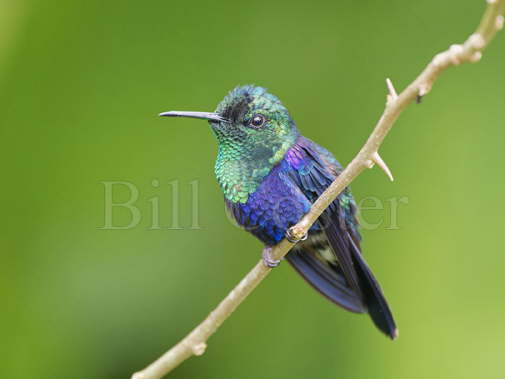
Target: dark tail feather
325, 279
328, 278
373, 297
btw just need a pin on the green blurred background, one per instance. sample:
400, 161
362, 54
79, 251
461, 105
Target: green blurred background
81, 83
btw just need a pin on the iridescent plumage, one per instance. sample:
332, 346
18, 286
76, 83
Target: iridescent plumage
270, 175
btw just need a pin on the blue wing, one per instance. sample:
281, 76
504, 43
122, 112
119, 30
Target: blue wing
331, 260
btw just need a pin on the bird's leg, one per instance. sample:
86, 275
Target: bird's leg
293, 236
268, 260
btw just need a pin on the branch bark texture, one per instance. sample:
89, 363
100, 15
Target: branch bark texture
195, 342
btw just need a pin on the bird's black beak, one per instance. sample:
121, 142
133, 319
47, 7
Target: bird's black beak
214, 117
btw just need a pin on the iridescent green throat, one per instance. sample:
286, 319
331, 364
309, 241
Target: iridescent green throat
240, 168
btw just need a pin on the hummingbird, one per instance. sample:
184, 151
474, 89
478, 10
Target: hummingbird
270, 175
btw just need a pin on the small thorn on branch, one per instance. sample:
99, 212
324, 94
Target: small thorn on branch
423, 90
500, 20
376, 159
392, 95
475, 57
199, 349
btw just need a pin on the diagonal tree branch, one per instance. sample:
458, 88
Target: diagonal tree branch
470, 51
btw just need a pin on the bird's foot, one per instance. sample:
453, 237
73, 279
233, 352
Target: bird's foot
268, 260
294, 236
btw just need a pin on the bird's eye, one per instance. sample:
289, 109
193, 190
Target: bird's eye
257, 121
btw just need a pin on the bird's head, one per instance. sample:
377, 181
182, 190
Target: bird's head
251, 121
254, 131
